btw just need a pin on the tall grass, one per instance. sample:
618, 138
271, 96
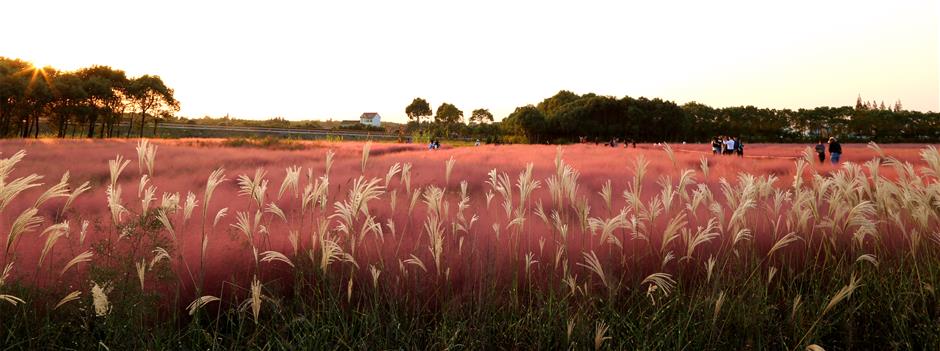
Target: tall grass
677, 261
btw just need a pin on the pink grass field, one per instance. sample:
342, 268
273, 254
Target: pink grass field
184, 165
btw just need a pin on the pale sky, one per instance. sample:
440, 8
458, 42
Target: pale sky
337, 59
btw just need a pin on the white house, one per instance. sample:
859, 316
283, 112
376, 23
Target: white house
371, 119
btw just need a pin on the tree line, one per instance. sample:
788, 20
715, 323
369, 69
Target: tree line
90, 101
568, 117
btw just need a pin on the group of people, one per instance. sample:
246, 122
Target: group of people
835, 150
724, 145
434, 144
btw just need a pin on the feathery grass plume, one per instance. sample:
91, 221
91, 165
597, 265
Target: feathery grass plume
393, 199
375, 272
435, 240
146, 153
718, 303
27, 221
606, 194
662, 281
392, 171
703, 165
270, 256
365, 155
83, 232
170, 202
501, 184
60, 189
315, 193
406, 176
608, 227
673, 228
417, 262
74, 194
931, 156
671, 155
159, 254
215, 178
10, 190
99, 298
147, 197
526, 184
6, 273
52, 233
13, 300
701, 236
592, 263
330, 251
808, 155
243, 224
529, 261
291, 182
868, 258
842, 294
189, 205
448, 168
600, 334
771, 272
328, 162
80, 258
797, 303
709, 268
161, 216
254, 188
877, 149
219, 215
141, 271
569, 329
199, 302
273, 209
116, 166
114, 203
72, 296
255, 299
783, 242
814, 347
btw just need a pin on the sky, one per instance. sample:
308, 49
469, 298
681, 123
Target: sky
336, 59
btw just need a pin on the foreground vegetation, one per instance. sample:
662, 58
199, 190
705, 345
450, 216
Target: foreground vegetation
364, 258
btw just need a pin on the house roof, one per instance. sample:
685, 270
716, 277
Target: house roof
369, 114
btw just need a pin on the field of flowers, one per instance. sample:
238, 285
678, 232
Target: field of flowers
195, 244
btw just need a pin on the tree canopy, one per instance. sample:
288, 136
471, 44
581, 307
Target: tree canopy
417, 109
93, 99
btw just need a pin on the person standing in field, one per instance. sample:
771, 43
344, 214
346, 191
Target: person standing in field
821, 151
738, 147
835, 150
729, 146
716, 146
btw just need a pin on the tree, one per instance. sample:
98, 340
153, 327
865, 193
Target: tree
149, 94
107, 89
447, 116
551, 106
480, 116
417, 109
527, 121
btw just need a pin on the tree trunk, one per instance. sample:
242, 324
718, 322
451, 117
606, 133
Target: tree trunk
143, 118
92, 120
36, 133
63, 127
155, 121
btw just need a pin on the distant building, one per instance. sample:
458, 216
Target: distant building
371, 119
